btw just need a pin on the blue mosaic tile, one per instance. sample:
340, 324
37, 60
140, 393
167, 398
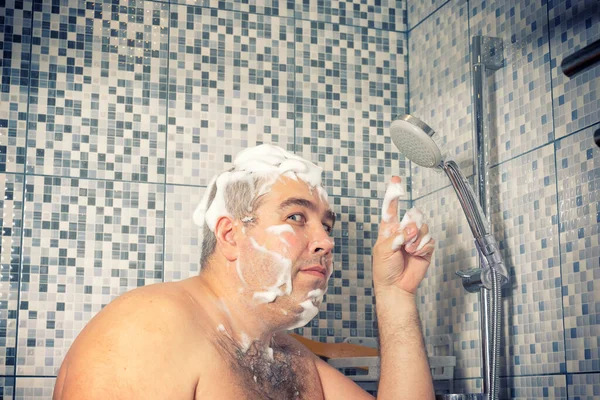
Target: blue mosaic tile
34, 388
183, 238
533, 387
85, 242
533, 340
584, 386
573, 25
7, 387
444, 305
419, 10
349, 87
266, 7
579, 204
380, 14
520, 98
15, 43
440, 90
11, 204
98, 90
231, 86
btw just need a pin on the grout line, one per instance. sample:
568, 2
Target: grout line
426, 18
560, 255
164, 233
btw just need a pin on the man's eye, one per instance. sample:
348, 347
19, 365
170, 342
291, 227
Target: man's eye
297, 218
327, 228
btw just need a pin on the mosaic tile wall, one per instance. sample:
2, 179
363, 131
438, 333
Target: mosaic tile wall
114, 115
545, 186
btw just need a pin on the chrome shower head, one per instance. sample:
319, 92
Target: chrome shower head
413, 138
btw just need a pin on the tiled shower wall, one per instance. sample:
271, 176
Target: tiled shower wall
114, 115
544, 181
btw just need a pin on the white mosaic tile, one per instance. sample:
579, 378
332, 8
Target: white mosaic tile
584, 386
520, 98
444, 305
440, 90
523, 193
573, 25
231, 86
34, 388
578, 164
11, 204
379, 14
183, 238
349, 87
15, 43
85, 242
98, 101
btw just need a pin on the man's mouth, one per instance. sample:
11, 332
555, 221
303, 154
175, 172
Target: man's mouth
315, 270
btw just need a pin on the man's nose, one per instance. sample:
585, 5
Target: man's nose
321, 242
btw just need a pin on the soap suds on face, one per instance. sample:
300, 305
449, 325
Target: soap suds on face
284, 277
310, 308
248, 219
279, 229
393, 192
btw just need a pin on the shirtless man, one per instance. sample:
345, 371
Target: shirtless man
266, 259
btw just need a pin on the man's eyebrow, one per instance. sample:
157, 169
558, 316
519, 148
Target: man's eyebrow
296, 201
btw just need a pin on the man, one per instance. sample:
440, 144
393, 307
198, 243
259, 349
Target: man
266, 259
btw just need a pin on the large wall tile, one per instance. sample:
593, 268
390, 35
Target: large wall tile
379, 14
584, 386
573, 25
85, 242
578, 160
34, 388
349, 87
231, 86
15, 44
11, 224
440, 89
524, 222
533, 387
520, 98
444, 305
183, 238
98, 90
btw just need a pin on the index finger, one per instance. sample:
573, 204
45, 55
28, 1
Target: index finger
389, 208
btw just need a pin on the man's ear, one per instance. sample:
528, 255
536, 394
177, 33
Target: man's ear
226, 243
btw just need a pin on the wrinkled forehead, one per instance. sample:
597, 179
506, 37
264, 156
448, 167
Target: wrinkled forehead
285, 188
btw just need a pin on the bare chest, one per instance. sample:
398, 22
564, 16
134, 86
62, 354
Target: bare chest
283, 377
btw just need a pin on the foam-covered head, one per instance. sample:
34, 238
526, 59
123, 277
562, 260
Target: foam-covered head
412, 137
257, 168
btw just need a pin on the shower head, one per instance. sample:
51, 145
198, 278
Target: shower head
413, 138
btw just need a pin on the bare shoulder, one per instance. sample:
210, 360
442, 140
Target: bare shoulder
138, 337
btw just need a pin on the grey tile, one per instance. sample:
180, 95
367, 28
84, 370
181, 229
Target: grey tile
419, 10
85, 242
349, 87
578, 164
519, 95
523, 193
15, 43
267, 7
11, 224
573, 25
231, 86
584, 386
98, 101
533, 387
34, 388
440, 90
